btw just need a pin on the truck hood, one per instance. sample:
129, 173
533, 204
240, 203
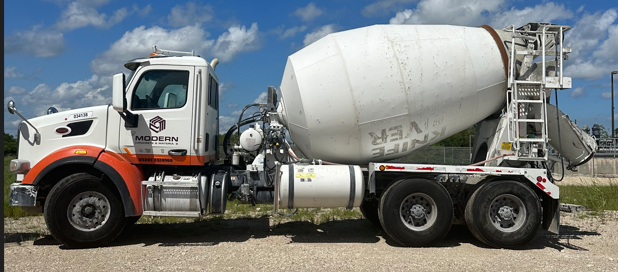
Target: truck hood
84, 126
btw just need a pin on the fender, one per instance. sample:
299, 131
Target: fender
127, 178
77, 154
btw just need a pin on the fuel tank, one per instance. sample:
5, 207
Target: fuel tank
380, 92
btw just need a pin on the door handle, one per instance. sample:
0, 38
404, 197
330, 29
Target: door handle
177, 152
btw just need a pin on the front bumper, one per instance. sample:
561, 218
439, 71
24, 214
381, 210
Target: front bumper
23, 195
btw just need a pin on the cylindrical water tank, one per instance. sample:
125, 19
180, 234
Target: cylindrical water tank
380, 92
320, 186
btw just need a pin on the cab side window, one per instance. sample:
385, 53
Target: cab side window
213, 93
158, 89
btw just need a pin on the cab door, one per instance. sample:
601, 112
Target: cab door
161, 97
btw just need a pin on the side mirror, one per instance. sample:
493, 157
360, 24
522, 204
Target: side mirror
11, 107
118, 99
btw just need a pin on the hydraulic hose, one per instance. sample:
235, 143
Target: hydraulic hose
229, 133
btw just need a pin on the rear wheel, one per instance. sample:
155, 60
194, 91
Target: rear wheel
504, 214
81, 211
369, 209
416, 212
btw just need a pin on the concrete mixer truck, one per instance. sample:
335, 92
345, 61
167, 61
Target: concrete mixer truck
351, 102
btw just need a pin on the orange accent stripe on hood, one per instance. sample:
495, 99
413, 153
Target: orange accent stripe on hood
91, 151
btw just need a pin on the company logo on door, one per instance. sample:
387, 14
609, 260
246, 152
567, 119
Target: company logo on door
157, 124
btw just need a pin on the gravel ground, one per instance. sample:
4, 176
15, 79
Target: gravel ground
587, 243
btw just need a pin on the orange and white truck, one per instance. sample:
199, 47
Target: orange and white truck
351, 102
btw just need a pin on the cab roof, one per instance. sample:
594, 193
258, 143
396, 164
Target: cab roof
167, 60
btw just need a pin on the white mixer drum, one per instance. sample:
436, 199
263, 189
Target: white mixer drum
380, 92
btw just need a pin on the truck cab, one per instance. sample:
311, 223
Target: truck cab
164, 116
171, 112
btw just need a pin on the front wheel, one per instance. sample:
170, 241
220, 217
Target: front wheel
416, 212
81, 211
504, 214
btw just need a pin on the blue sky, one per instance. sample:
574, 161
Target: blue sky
62, 53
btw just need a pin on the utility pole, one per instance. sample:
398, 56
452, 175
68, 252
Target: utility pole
613, 129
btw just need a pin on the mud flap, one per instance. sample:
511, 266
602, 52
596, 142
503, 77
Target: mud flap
551, 214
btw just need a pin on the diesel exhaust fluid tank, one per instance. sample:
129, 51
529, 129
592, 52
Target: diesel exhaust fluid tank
381, 92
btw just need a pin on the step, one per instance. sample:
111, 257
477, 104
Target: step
529, 120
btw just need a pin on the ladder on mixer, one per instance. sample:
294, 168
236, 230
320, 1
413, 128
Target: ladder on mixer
523, 95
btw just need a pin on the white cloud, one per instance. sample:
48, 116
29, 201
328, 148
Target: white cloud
94, 91
232, 105
455, 12
90, 3
142, 12
609, 48
319, 33
225, 123
308, 13
261, 98
608, 95
578, 92
546, 12
588, 31
237, 40
11, 72
139, 41
290, 32
17, 90
78, 15
383, 7
589, 35
36, 42
224, 87
91, 92
190, 14
236, 113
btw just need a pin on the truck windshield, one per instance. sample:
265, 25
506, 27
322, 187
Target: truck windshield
128, 78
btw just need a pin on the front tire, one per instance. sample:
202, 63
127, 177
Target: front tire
416, 212
80, 211
504, 214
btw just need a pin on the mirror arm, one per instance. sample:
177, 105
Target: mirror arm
130, 119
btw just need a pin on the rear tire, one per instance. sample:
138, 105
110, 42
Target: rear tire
369, 209
504, 214
81, 211
416, 212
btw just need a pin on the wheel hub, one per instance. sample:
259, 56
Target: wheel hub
88, 211
506, 213
418, 211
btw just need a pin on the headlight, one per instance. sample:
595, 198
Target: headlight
19, 166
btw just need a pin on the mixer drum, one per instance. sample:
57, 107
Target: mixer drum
380, 92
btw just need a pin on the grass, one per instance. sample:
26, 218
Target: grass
594, 197
237, 210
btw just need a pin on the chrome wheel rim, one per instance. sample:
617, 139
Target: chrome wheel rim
418, 211
88, 211
507, 213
